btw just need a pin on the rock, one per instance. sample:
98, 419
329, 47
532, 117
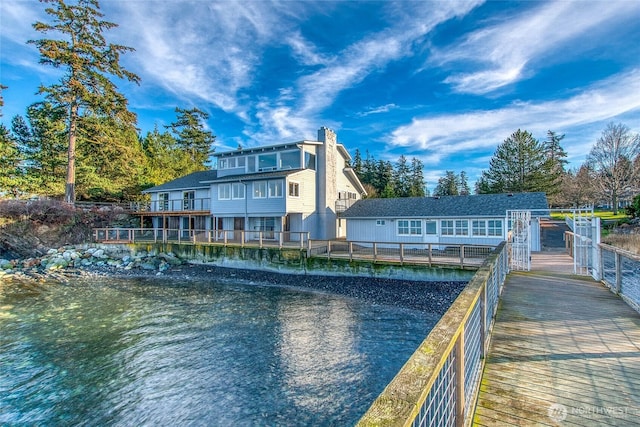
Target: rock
5, 264
147, 266
52, 251
98, 254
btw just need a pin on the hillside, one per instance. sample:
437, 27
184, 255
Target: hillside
28, 228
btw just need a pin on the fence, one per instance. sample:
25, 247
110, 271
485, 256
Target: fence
438, 385
242, 238
621, 273
413, 253
173, 205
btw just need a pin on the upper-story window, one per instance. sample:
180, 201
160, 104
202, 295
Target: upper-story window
309, 161
294, 189
260, 189
290, 159
188, 200
267, 161
231, 163
163, 201
237, 190
224, 192
275, 188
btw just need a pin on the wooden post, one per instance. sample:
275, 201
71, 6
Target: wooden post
401, 253
375, 251
350, 251
618, 283
430, 254
328, 249
462, 256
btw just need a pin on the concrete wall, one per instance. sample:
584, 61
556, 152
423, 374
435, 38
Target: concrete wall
290, 261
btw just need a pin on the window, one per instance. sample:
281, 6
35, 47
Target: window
380, 222
188, 200
446, 227
275, 188
237, 190
309, 161
224, 192
260, 189
290, 160
479, 228
462, 227
222, 163
409, 227
241, 161
430, 227
267, 161
495, 227
294, 189
251, 163
163, 201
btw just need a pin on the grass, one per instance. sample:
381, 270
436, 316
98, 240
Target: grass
603, 215
628, 242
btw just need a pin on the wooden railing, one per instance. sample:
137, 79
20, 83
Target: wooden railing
173, 205
438, 386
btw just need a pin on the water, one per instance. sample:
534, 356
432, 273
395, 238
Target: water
142, 352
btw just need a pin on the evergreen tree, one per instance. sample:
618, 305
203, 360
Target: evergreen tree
384, 180
448, 185
402, 177
89, 62
357, 163
192, 137
11, 175
165, 160
416, 189
42, 139
482, 184
463, 188
520, 164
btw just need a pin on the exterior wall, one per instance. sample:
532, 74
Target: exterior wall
371, 230
306, 201
327, 191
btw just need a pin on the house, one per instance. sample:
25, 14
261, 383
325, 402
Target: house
293, 187
481, 219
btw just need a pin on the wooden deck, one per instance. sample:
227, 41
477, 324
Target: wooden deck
565, 351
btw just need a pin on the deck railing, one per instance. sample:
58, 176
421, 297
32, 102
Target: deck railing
173, 205
438, 385
621, 273
241, 238
413, 253
463, 256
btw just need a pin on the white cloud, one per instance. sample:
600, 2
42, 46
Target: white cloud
503, 53
447, 134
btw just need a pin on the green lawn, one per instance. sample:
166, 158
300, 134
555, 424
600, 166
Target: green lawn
603, 215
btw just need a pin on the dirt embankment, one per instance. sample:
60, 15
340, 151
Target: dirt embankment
29, 228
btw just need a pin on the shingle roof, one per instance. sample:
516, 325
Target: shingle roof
193, 180
447, 206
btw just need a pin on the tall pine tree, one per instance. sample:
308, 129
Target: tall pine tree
89, 62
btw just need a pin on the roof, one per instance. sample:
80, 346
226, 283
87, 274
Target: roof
191, 181
447, 206
254, 176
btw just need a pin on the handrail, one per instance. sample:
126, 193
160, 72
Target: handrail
439, 383
621, 273
173, 205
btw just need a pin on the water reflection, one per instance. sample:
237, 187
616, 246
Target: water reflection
147, 352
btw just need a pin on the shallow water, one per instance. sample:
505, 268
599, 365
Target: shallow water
152, 352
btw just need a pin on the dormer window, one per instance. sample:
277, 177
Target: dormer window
267, 162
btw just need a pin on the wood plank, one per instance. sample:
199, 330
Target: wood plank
565, 351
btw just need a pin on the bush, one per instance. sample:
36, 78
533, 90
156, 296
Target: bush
633, 210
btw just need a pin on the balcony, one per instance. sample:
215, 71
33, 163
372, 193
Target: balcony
344, 204
175, 206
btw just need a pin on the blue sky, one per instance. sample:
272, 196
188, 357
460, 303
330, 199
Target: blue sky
443, 81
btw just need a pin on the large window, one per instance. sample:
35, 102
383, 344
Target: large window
409, 227
260, 189
237, 191
494, 227
290, 160
224, 192
267, 161
446, 227
479, 227
275, 188
163, 201
294, 189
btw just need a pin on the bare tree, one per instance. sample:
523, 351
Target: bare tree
612, 160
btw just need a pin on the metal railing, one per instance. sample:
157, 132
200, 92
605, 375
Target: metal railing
438, 386
621, 273
413, 253
173, 205
278, 239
